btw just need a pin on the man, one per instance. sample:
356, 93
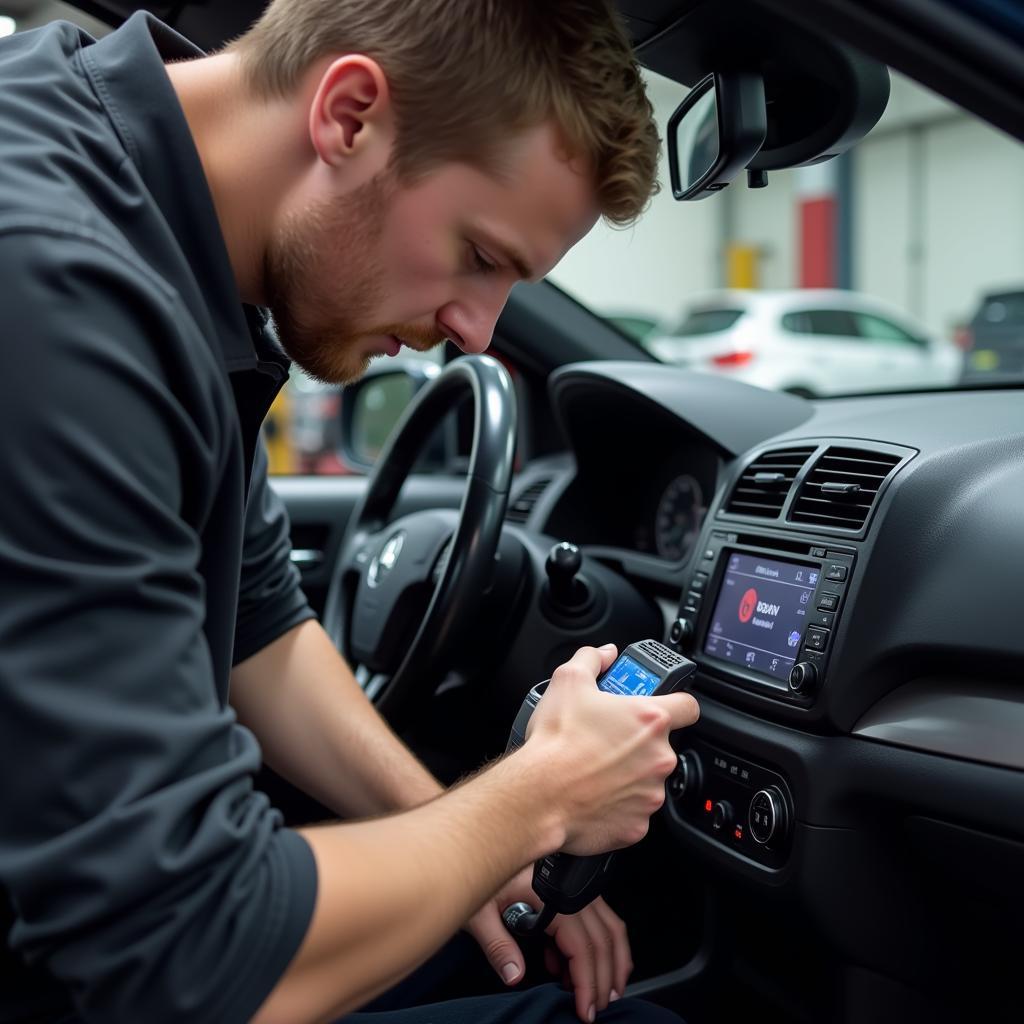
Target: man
377, 173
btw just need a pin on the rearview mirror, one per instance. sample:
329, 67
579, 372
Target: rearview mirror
715, 133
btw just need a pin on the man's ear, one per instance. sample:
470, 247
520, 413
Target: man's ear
351, 117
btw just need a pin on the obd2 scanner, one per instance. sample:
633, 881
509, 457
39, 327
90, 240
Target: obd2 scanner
564, 882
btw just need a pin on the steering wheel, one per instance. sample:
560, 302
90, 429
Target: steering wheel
388, 569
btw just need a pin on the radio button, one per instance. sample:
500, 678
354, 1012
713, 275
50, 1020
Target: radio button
823, 619
699, 581
721, 817
837, 573
816, 639
828, 602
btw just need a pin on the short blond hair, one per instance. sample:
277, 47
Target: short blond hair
467, 75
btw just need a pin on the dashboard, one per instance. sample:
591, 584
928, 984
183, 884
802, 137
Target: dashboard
847, 576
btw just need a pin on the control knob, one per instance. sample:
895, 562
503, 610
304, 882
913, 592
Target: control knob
803, 679
721, 816
766, 817
681, 633
685, 781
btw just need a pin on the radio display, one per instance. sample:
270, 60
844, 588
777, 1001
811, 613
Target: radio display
761, 614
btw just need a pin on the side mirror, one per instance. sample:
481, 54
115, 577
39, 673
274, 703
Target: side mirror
373, 405
715, 133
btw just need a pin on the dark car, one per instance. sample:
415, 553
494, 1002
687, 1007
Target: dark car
994, 337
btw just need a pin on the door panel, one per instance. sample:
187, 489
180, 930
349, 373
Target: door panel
319, 509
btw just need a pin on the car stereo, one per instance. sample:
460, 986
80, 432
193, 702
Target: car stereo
762, 611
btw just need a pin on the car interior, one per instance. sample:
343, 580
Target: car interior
843, 838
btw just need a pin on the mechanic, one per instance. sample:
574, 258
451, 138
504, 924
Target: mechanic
374, 173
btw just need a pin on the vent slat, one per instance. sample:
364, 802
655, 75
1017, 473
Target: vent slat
836, 509
766, 497
519, 510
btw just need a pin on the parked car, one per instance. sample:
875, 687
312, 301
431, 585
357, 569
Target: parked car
994, 338
812, 342
638, 326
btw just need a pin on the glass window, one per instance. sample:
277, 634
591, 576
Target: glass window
879, 329
707, 321
834, 323
796, 323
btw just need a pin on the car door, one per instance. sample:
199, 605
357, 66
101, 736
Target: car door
903, 359
832, 352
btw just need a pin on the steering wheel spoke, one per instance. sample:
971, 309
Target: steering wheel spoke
390, 570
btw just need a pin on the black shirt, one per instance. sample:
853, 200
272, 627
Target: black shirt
141, 876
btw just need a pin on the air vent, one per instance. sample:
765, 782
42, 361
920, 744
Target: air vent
764, 485
841, 487
520, 509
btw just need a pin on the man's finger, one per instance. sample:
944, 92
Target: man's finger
502, 951
601, 943
575, 945
622, 956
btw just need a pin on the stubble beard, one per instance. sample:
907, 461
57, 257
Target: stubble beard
322, 319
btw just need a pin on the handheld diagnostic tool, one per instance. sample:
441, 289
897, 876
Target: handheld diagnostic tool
564, 882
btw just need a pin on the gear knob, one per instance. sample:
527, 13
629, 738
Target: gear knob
563, 564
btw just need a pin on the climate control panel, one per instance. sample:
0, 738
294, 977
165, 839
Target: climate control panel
743, 806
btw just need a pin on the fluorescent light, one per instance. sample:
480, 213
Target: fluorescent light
7, 25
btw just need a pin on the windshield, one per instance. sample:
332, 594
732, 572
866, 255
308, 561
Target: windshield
897, 266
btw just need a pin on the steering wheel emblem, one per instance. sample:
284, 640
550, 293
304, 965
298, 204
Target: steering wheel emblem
385, 561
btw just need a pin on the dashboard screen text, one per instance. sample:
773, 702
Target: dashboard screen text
761, 614
629, 678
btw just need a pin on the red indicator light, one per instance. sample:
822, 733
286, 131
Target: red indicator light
730, 359
738, 833
707, 806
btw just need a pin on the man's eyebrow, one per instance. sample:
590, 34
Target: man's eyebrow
509, 254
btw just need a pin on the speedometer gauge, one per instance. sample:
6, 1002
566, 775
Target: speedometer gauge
678, 518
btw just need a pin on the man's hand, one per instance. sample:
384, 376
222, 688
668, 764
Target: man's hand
592, 944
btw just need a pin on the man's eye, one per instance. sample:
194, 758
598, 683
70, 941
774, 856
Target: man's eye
481, 262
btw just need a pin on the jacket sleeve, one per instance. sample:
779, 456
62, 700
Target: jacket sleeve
270, 599
144, 871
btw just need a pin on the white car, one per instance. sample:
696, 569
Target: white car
809, 342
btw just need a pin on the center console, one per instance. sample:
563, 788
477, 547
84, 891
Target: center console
759, 613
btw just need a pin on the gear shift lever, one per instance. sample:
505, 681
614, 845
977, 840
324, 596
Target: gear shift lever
564, 586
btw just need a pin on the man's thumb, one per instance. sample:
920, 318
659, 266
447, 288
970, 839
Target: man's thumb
500, 948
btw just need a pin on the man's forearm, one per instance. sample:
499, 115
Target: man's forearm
319, 731
391, 891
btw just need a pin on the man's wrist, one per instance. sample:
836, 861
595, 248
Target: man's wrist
530, 798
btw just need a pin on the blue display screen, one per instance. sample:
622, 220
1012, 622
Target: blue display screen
629, 678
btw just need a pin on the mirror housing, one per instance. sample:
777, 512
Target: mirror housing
372, 405
715, 133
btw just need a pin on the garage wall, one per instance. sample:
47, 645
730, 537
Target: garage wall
973, 207
673, 252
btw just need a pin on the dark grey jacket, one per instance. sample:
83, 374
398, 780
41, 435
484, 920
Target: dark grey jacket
141, 876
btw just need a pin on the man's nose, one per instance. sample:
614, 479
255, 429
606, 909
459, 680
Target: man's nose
471, 325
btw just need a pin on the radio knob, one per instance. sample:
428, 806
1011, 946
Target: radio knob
803, 679
681, 633
767, 815
721, 816
685, 783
